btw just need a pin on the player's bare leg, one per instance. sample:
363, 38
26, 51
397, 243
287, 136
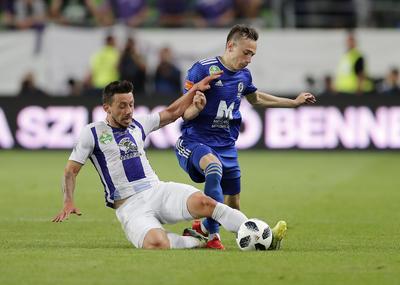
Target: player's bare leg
232, 201
156, 239
200, 205
160, 239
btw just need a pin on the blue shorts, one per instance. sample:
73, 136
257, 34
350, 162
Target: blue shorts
190, 153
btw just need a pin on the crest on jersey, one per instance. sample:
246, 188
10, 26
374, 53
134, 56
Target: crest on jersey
105, 138
213, 69
128, 149
127, 145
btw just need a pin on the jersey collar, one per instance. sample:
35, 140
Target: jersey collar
226, 69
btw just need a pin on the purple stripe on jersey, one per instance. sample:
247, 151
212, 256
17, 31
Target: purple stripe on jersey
104, 169
141, 128
130, 155
111, 205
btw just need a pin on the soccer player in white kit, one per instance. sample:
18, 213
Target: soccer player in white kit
142, 202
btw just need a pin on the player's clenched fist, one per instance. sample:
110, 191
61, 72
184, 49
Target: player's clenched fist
305, 98
199, 100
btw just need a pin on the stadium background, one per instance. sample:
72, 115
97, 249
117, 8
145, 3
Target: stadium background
341, 206
300, 45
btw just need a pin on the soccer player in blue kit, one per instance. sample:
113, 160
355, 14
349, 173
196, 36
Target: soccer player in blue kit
206, 149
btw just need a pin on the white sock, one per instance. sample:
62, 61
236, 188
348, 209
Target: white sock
177, 241
229, 218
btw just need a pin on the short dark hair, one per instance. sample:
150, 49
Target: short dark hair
116, 87
242, 31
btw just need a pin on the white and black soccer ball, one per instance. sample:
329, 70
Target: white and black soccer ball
254, 234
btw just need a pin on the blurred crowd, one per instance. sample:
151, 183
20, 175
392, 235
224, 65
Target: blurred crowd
327, 85
352, 76
23, 14
111, 63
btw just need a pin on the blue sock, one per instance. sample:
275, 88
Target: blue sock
212, 188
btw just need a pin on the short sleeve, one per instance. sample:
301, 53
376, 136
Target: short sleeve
149, 123
250, 88
84, 147
194, 75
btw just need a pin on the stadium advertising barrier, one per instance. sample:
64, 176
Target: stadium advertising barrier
338, 122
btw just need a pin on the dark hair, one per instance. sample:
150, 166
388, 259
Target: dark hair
242, 31
116, 87
109, 40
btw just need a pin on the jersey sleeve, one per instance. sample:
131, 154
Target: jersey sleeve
84, 146
149, 123
194, 75
250, 88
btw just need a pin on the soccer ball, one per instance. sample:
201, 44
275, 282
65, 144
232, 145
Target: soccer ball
254, 234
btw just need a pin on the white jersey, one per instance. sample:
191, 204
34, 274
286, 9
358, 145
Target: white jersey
119, 156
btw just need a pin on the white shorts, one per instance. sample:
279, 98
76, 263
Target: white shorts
165, 203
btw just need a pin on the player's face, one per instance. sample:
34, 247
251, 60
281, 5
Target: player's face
351, 42
119, 113
242, 52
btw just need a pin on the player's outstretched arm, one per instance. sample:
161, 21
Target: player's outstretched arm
262, 99
68, 186
179, 106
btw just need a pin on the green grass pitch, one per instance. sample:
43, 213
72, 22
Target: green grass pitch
342, 209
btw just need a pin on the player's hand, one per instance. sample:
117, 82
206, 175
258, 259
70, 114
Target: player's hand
199, 101
204, 84
68, 209
305, 98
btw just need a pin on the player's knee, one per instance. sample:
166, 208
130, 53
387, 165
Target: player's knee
156, 239
208, 159
200, 205
157, 244
206, 203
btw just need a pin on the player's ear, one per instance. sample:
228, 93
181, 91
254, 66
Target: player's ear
106, 108
229, 46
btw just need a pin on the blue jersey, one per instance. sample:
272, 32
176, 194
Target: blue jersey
218, 123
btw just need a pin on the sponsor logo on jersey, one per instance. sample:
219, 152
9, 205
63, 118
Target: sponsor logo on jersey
105, 138
219, 83
128, 148
188, 84
213, 69
224, 115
